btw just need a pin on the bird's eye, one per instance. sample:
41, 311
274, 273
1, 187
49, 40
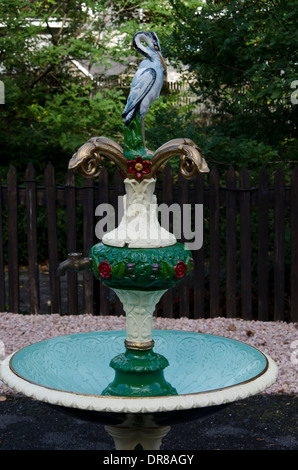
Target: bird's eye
157, 48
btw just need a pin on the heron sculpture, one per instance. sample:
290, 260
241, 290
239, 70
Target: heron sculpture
148, 80
134, 160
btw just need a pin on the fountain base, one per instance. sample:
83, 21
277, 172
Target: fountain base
142, 438
139, 374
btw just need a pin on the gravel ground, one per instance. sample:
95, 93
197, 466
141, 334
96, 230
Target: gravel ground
277, 339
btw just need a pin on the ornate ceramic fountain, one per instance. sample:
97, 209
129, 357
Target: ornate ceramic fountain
138, 382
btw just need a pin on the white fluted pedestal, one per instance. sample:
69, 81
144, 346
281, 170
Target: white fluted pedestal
139, 307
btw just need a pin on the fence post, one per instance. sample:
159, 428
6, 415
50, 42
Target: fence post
279, 249
32, 239
88, 203
2, 272
231, 248
183, 288
214, 273
263, 245
294, 246
50, 191
13, 259
245, 245
198, 256
71, 242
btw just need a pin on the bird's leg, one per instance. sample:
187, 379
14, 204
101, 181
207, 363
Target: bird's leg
143, 131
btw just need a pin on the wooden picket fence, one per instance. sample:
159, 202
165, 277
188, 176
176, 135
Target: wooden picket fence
247, 267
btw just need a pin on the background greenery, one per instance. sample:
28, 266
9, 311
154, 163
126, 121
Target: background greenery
243, 60
239, 57
51, 109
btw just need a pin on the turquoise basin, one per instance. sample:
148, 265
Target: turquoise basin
79, 363
71, 372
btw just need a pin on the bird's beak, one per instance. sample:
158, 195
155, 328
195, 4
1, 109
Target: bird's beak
162, 61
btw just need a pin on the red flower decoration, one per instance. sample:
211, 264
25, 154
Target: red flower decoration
139, 167
180, 269
104, 269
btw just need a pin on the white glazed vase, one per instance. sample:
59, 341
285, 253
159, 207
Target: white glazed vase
139, 227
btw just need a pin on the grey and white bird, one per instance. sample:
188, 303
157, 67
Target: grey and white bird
148, 80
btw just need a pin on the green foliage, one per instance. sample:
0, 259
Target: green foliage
51, 108
52, 129
168, 119
242, 59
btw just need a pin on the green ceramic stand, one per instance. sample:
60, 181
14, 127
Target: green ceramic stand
139, 373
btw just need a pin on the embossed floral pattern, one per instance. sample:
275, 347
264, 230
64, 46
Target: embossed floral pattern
139, 167
104, 269
180, 269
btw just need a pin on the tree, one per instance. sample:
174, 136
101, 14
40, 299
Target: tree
242, 59
51, 108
